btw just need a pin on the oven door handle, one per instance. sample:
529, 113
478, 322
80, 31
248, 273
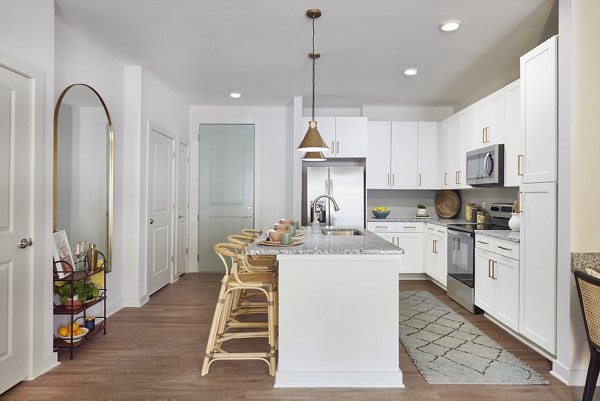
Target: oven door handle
459, 233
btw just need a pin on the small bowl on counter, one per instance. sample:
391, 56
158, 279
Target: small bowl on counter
380, 214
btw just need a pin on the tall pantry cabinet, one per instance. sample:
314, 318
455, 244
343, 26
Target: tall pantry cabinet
537, 314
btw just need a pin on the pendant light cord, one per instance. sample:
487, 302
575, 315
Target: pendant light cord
313, 68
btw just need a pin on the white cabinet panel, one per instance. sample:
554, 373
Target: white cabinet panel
513, 135
412, 260
404, 154
378, 155
442, 261
484, 283
383, 227
537, 310
506, 295
350, 137
539, 112
427, 155
459, 159
446, 177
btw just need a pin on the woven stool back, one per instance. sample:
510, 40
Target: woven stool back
588, 288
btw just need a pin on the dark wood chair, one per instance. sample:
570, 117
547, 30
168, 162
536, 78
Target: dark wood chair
588, 288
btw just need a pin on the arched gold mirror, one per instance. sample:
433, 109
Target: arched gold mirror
83, 168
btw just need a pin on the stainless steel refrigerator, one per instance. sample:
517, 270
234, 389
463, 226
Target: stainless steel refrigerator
345, 182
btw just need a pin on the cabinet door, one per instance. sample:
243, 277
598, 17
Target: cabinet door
431, 259
412, 260
442, 260
351, 137
446, 177
482, 123
459, 158
378, 155
326, 127
513, 138
506, 296
484, 283
495, 133
537, 312
404, 154
471, 138
539, 112
390, 237
427, 157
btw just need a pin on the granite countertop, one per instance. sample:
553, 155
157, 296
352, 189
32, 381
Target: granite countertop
508, 235
432, 220
319, 244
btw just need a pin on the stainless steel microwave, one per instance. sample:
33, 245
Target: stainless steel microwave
485, 166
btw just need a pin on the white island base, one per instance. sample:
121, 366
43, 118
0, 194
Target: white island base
338, 321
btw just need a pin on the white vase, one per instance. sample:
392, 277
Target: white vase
515, 222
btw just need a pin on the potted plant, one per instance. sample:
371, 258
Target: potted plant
421, 210
82, 291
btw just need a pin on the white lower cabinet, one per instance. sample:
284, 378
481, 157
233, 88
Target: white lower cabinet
538, 257
497, 279
436, 253
408, 236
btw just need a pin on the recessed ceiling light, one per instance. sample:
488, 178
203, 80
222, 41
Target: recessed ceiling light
235, 95
450, 25
411, 71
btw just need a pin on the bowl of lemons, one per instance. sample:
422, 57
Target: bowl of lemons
380, 212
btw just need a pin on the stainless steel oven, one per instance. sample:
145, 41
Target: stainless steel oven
461, 255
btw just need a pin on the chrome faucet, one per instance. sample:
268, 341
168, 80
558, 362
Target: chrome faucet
315, 222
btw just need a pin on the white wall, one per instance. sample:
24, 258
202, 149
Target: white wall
27, 32
77, 60
274, 149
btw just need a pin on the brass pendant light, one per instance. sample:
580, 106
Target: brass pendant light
312, 141
313, 157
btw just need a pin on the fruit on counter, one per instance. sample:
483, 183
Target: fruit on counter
75, 327
79, 332
63, 331
380, 209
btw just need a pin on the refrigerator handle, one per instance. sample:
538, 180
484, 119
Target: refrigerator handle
330, 187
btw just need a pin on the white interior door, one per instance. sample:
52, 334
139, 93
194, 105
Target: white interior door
15, 225
226, 188
183, 192
161, 155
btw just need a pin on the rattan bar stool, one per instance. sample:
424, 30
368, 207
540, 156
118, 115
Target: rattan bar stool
588, 288
249, 263
225, 328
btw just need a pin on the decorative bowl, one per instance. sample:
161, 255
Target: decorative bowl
76, 337
380, 214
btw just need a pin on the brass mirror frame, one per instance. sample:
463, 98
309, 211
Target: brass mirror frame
110, 167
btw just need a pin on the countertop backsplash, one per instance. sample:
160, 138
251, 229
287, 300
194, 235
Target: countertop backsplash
403, 203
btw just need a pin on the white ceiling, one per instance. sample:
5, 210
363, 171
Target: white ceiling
204, 49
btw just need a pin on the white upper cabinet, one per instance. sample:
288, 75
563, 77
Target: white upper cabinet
539, 112
350, 137
447, 179
489, 121
404, 154
513, 138
459, 159
345, 136
378, 155
427, 156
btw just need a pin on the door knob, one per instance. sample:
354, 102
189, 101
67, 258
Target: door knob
25, 243
151, 221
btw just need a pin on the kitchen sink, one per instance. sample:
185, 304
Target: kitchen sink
341, 231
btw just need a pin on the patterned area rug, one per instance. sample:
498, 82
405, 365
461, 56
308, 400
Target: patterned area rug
447, 349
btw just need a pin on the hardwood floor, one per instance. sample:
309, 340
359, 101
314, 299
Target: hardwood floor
155, 352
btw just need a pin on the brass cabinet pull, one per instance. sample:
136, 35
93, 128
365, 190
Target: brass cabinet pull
388, 179
333, 147
393, 179
337, 146
519, 165
483, 135
494, 270
520, 202
434, 246
456, 177
484, 243
419, 179
489, 268
410, 228
503, 248
459, 176
445, 178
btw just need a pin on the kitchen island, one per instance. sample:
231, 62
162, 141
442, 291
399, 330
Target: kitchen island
338, 311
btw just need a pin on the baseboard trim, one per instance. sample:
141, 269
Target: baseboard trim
570, 377
134, 302
48, 363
